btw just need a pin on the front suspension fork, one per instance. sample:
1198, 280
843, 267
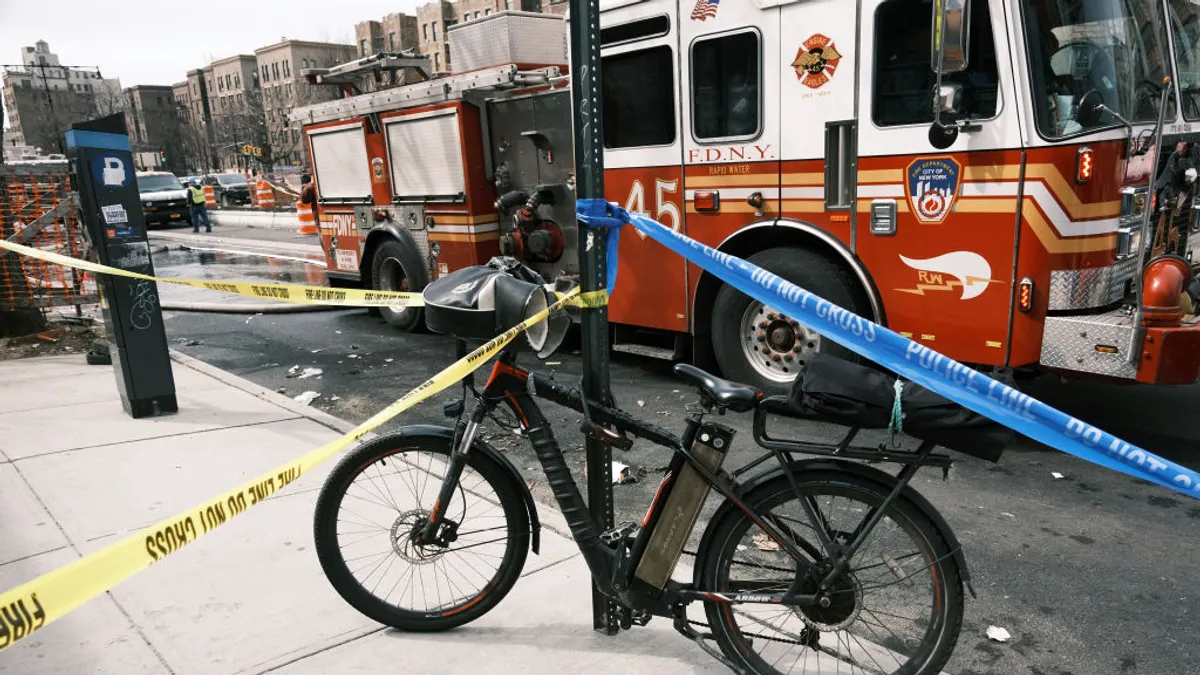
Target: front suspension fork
454, 468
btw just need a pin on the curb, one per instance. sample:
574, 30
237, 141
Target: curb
551, 517
323, 418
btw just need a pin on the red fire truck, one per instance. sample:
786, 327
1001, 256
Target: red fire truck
983, 193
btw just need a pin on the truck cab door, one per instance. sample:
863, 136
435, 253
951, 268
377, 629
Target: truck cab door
730, 70
937, 228
642, 167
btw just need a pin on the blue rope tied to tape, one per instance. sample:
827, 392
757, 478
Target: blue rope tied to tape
896, 425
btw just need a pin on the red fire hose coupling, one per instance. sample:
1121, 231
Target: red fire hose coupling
1163, 283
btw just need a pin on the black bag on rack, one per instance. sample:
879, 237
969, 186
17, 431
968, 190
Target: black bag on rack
830, 389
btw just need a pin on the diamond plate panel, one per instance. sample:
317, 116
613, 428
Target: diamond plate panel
1090, 288
508, 37
1070, 342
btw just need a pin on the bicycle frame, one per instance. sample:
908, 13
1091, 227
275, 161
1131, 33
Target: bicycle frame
613, 559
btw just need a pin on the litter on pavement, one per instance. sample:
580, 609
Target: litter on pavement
997, 634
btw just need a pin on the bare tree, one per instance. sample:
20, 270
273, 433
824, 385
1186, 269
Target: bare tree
240, 121
15, 319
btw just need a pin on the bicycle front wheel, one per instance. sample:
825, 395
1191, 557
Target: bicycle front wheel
380, 495
897, 609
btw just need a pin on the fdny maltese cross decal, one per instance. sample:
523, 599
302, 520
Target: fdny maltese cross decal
932, 185
816, 61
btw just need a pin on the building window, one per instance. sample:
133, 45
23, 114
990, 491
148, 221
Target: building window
287, 68
639, 98
425, 32
392, 41
487, 12
266, 74
436, 63
435, 38
476, 14
289, 90
275, 70
466, 16
726, 86
220, 85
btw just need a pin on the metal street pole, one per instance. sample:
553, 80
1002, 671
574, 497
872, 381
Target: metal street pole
589, 183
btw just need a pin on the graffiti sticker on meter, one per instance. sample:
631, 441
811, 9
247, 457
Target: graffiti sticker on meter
110, 171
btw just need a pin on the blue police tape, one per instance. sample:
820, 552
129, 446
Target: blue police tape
955, 381
596, 213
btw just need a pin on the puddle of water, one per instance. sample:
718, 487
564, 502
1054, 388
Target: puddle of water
237, 266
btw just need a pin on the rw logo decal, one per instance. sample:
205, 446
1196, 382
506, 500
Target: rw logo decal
957, 269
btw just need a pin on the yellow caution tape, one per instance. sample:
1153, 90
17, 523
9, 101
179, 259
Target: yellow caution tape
296, 293
51, 596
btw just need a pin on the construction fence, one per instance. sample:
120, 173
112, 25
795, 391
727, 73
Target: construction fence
38, 209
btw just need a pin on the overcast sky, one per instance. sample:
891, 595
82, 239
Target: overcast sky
157, 42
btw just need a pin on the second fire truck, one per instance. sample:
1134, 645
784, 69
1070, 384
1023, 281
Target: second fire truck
983, 194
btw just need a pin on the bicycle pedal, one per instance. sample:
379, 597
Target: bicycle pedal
620, 532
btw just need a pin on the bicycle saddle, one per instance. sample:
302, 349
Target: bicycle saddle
724, 394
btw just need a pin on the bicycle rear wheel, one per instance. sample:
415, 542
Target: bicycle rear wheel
380, 494
896, 611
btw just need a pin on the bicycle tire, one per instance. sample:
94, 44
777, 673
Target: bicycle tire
946, 604
377, 452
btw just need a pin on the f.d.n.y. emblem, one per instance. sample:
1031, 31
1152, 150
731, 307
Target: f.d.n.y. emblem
932, 185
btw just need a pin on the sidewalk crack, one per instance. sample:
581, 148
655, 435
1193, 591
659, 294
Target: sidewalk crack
74, 547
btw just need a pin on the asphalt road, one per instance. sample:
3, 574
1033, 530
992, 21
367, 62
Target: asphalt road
1092, 574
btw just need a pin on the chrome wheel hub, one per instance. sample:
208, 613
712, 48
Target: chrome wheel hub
776, 346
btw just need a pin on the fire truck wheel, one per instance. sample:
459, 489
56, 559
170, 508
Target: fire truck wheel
757, 344
392, 266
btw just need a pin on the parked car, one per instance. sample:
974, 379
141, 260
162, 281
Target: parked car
164, 199
230, 188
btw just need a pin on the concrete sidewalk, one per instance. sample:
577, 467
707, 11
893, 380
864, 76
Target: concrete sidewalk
76, 474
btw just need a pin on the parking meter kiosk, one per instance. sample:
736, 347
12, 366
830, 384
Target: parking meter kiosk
110, 207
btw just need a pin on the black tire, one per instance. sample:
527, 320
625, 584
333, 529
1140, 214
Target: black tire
421, 454
392, 268
731, 309
938, 610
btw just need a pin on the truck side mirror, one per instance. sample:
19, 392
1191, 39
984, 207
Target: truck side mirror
1091, 109
951, 36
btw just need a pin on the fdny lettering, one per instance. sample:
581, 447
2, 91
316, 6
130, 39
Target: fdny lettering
270, 292
323, 294
343, 224
732, 153
20, 618
967, 377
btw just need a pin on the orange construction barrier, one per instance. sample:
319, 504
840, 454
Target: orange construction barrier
264, 195
210, 196
308, 222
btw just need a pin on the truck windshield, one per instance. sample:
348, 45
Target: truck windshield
1185, 30
158, 183
231, 180
1115, 47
